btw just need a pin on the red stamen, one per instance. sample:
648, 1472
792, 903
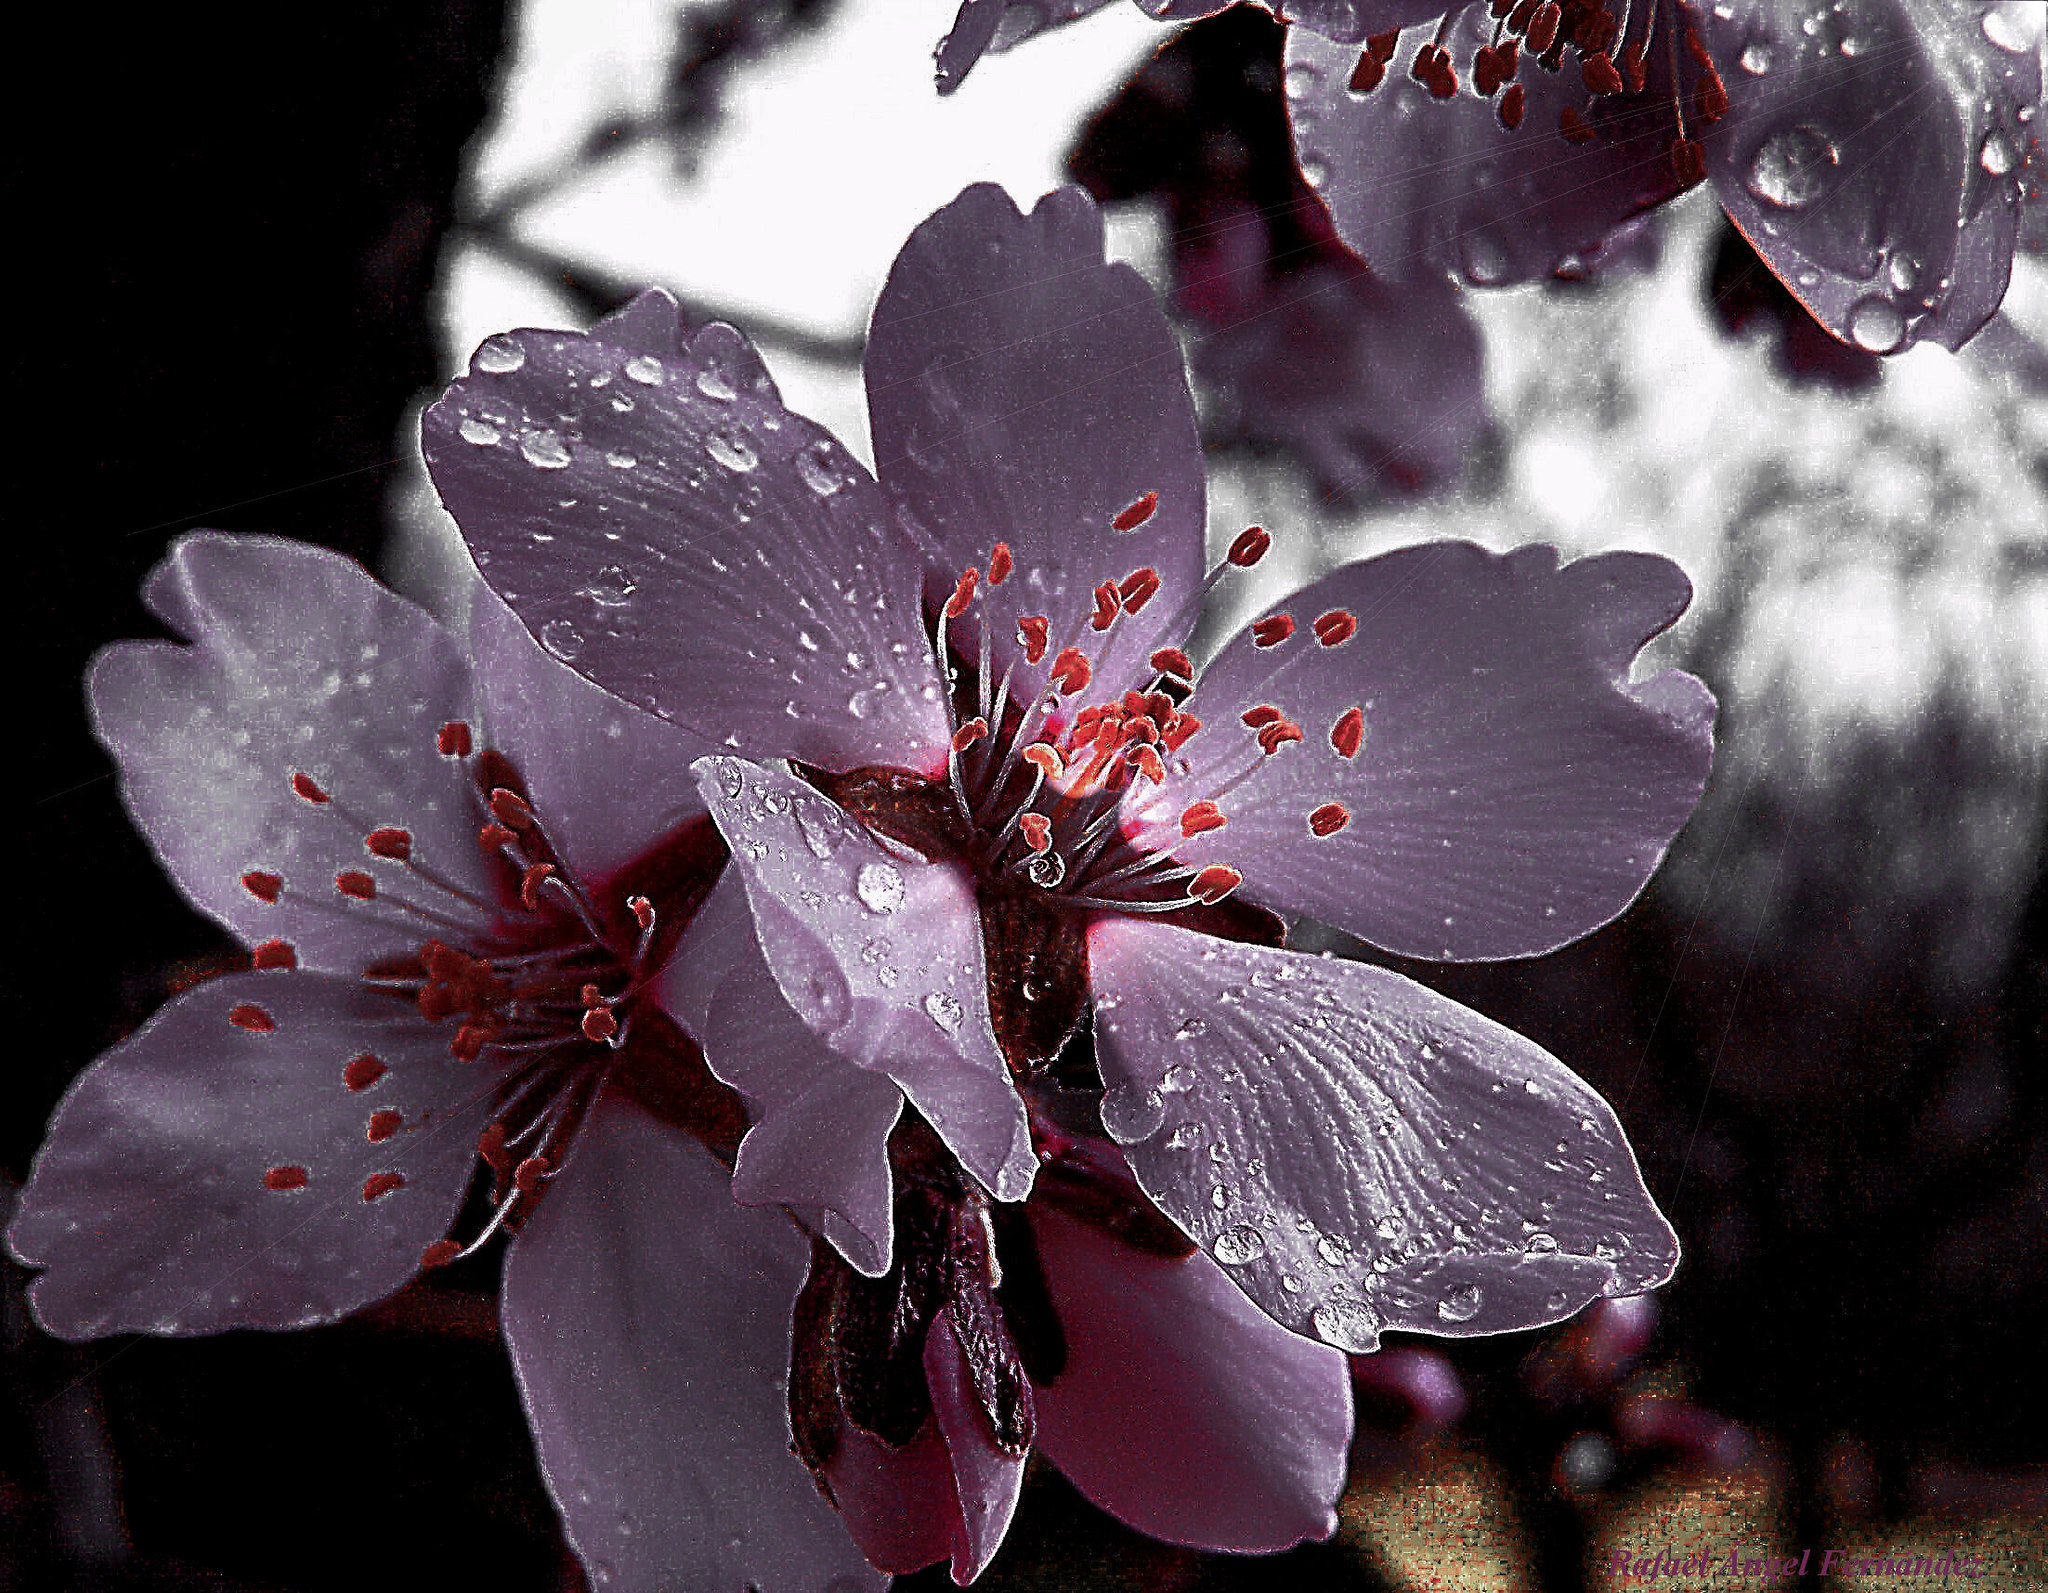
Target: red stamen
590, 996
1276, 735
1200, 818
536, 875
439, 1254
1037, 830
1045, 759
309, 788
527, 1175
1348, 733
362, 1071
1368, 75
247, 1015
1598, 74
1250, 547
642, 910
384, 1122
378, 1185
390, 842
354, 882
454, 740
1272, 630
1336, 627
1070, 672
1172, 661
1138, 588
1147, 762
1109, 602
1257, 718
274, 956
262, 884
963, 593
1177, 734
1328, 819
969, 733
509, 808
1000, 564
490, 1145
1511, 106
1032, 632
1136, 513
285, 1178
599, 1024
1214, 883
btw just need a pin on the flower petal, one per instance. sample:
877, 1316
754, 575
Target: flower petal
819, 1135
299, 663
212, 1172
648, 1320
1184, 1411
1399, 1160
901, 1505
1513, 790
986, 1481
663, 524
881, 956
1023, 391
1420, 186
1875, 160
609, 779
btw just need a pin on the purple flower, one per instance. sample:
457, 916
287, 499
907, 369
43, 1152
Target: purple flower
977, 795
458, 868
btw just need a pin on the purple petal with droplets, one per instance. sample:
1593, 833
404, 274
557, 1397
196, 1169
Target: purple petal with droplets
148, 1204
880, 954
818, 1139
1023, 391
648, 1320
1857, 159
1184, 1411
1514, 790
1407, 1162
608, 779
1420, 186
298, 661
664, 525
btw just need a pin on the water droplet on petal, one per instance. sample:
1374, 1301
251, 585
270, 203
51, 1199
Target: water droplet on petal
1904, 272
499, 356
1756, 58
821, 472
2010, 28
714, 386
1876, 324
1995, 154
822, 828
1793, 167
1540, 1244
646, 370
732, 779
879, 887
480, 432
1221, 1195
620, 461
1130, 1112
731, 450
1460, 1305
562, 639
944, 1010
1347, 1325
1335, 1250
611, 587
1234, 1247
544, 449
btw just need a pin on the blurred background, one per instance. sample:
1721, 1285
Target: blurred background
253, 242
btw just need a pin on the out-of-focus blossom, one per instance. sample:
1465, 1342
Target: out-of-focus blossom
976, 792
458, 869
1369, 386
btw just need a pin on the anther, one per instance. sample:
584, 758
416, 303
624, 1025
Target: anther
1172, 661
274, 956
1486, 73
494, 836
384, 1122
963, 592
1138, 588
1348, 733
1032, 631
354, 882
1634, 69
509, 808
1380, 46
1519, 18
536, 875
1200, 818
490, 1145
1598, 74
1272, 630
309, 788
1542, 30
1507, 56
454, 740
1000, 564
390, 842
969, 733
469, 1042
599, 1024
1258, 717
527, 1175
1336, 626
642, 910
247, 1015
1250, 547
378, 1185
1214, 883
1045, 759
439, 1254
1183, 726
1037, 830
285, 1178
1512, 104
1136, 513
1688, 162
1368, 75
1328, 819
1146, 761
1575, 128
262, 884
1276, 735
362, 1070
1109, 602
1071, 671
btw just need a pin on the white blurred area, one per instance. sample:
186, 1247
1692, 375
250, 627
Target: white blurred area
1861, 562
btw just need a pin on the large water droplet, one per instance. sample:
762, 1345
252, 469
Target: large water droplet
823, 831
820, 470
543, 448
1540, 1244
731, 450
1460, 1305
562, 639
498, 356
879, 887
1904, 272
1348, 1325
1793, 167
1130, 1112
1876, 324
480, 432
646, 370
2010, 28
944, 1010
1234, 1247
